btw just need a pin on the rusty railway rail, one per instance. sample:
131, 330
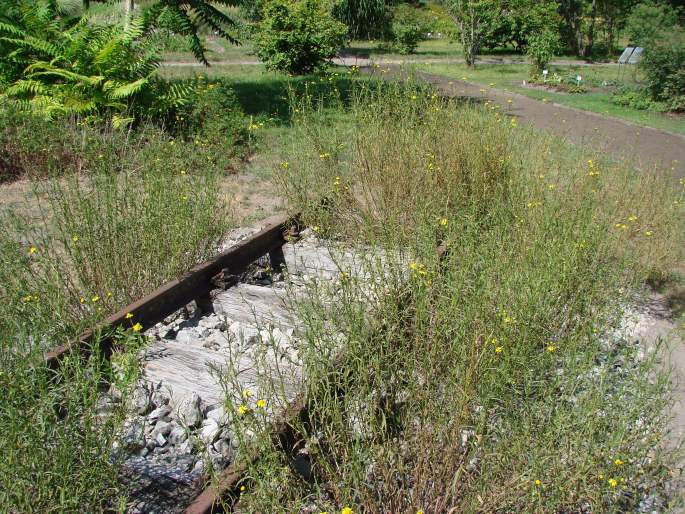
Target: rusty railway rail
196, 285
193, 285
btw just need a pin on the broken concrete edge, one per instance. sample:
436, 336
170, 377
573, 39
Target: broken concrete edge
175, 294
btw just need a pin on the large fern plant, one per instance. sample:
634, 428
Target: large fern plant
54, 64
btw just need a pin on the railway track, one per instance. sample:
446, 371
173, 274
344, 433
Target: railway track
232, 308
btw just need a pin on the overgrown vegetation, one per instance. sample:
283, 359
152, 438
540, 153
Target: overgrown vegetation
109, 217
486, 376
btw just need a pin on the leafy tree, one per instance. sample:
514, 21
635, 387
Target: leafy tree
475, 19
298, 36
647, 21
520, 20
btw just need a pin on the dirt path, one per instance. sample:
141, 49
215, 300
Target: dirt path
648, 148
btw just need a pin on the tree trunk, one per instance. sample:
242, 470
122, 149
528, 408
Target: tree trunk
587, 49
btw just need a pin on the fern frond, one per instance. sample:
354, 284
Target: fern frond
8, 28
214, 18
118, 91
27, 86
47, 70
31, 43
135, 29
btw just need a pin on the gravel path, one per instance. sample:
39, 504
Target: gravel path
648, 148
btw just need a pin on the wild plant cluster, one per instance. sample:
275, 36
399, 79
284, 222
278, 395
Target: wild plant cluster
477, 363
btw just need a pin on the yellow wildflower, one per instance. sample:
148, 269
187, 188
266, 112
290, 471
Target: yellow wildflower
618, 462
247, 393
632, 218
95, 298
347, 510
551, 348
261, 403
499, 349
284, 165
74, 238
613, 482
243, 409
33, 250
137, 327
82, 300
648, 233
538, 482
242, 488
128, 315
443, 222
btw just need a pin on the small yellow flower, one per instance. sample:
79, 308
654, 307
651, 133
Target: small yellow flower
109, 295
128, 315
492, 84
261, 403
247, 393
538, 482
95, 298
347, 510
613, 482
316, 228
284, 165
420, 511
632, 218
243, 409
82, 300
242, 488
74, 238
618, 462
509, 101
551, 348
499, 349
648, 233
413, 97
137, 327
601, 477
443, 222
184, 198
33, 250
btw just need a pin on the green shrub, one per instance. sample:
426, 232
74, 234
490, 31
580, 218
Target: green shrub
216, 117
406, 37
431, 18
298, 37
637, 98
663, 66
541, 49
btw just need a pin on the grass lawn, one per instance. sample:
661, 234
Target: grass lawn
598, 99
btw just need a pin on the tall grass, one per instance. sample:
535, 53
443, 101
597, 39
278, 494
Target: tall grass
93, 235
490, 375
